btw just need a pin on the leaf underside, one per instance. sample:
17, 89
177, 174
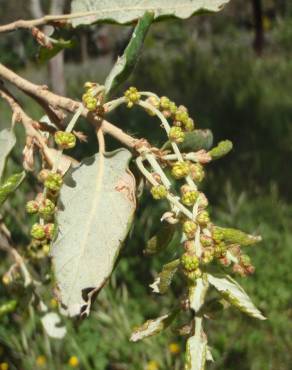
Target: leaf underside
196, 352
97, 203
7, 142
126, 11
235, 295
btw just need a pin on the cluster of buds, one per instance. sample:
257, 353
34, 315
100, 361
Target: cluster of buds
90, 98
204, 243
132, 96
188, 195
180, 169
244, 266
159, 191
41, 238
65, 140
53, 181
45, 206
179, 116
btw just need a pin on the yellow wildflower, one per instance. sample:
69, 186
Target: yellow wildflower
73, 361
4, 366
41, 361
152, 365
53, 303
174, 348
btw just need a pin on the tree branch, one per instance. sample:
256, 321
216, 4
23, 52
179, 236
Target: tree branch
47, 19
27, 122
31, 130
70, 105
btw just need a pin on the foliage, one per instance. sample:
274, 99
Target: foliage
83, 342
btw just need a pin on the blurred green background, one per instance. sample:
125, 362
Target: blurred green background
233, 71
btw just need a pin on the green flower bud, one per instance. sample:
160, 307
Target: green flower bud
159, 191
46, 208
38, 232
207, 255
132, 96
189, 125
176, 135
217, 234
172, 108
193, 275
189, 262
43, 174
203, 218
66, 140
88, 85
197, 172
54, 181
189, 228
180, 170
221, 149
49, 230
206, 241
220, 249
164, 103
181, 115
189, 198
32, 207
91, 104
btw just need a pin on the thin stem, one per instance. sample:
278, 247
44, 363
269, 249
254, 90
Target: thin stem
69, 128
171, 198
166, 126
65, 103
113, 104
157, 112
148, 93
156, 167
186, 156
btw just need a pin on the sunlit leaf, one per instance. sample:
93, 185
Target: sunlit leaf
235, 295
153, 327
126, 63
238, 237
196, 352
97, 203
125, 11
194, 141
